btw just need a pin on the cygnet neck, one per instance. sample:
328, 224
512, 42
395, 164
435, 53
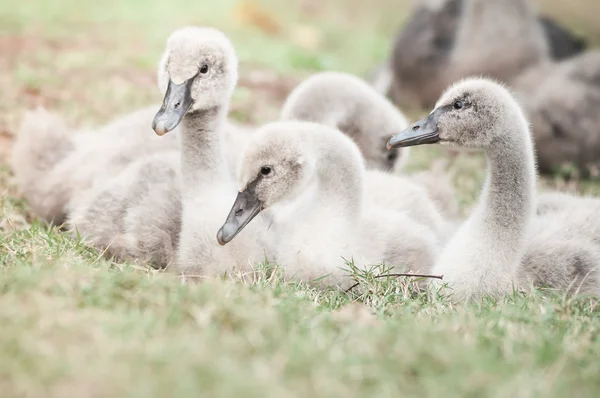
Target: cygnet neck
507, 204
201, 159
340, 174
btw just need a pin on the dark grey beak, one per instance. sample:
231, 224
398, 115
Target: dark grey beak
424, 131
176, 103
245, 208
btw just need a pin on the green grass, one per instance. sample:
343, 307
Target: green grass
76, 324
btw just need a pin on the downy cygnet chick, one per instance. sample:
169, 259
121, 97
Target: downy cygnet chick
137, 215
499, 246
198, 74
308, 181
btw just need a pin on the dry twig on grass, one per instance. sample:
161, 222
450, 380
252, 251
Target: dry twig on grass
397, 276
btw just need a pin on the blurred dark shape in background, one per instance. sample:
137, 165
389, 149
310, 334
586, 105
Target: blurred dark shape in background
563, 44
421, 52
543, 62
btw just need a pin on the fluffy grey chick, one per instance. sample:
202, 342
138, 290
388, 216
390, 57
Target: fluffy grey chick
307, 180
138, 213
500, 245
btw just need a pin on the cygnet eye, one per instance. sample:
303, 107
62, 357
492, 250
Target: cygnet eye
458, 104
204, 69
265, 170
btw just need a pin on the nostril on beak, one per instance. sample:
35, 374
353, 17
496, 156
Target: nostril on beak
415, 128
177, 105
239, 212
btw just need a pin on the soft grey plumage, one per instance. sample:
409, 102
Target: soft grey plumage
53, 165
136, 215
41, 143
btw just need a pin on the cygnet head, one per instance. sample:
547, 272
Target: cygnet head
472, 113
198, 71
275, 167
348, 103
